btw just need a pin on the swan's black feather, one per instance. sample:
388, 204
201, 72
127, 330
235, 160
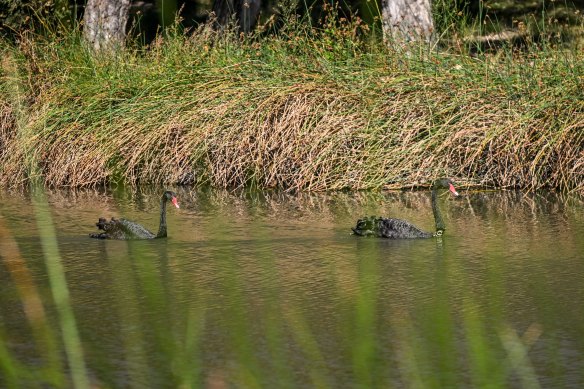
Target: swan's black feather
389, 228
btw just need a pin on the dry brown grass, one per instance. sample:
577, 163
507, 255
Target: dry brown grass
193, 113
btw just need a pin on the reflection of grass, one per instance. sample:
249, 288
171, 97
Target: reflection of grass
127, 307
364, 327
247, 329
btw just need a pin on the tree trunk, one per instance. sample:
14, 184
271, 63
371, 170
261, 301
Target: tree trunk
104, 23
407, 20
243, 12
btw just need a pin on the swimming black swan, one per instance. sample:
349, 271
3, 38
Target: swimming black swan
401, 229
123, 229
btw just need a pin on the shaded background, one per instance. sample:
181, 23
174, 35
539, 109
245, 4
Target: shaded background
150, 16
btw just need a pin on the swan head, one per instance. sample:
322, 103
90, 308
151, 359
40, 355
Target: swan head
169, 195
366, 226
445, 183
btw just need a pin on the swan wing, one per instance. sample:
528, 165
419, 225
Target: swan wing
132, 230
400, 229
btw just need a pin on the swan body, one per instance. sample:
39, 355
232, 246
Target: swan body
402, 229
389, 228
123, 229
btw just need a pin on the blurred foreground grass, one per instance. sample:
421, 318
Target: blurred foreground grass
452, 333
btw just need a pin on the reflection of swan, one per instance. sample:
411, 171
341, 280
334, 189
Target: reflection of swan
401, 229
123, 229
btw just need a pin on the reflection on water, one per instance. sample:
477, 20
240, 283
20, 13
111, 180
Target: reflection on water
269, 289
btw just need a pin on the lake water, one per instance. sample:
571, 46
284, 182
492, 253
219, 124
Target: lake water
271, 290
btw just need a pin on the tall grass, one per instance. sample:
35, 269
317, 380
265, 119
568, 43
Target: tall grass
300, 109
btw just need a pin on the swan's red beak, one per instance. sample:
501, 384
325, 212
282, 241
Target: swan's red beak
453, 190
175, 202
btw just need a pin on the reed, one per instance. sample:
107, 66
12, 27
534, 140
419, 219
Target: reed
300, 109
60, 293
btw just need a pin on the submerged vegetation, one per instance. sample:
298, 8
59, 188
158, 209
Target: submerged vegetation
299, 109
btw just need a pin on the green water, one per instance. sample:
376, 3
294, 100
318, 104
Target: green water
270, 290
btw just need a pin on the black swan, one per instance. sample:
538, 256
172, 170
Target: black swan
122, 229
401, 229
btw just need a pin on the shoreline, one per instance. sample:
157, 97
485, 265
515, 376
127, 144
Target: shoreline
289, 115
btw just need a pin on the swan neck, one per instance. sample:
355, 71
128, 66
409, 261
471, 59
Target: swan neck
437, 215
162, 226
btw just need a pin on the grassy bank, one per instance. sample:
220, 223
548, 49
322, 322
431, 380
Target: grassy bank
299, 110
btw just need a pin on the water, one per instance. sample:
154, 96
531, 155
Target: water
266, 289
